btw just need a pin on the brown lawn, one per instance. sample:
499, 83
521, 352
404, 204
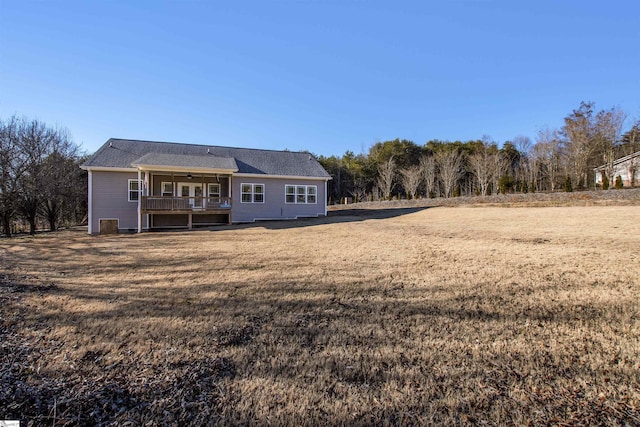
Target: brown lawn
391, 317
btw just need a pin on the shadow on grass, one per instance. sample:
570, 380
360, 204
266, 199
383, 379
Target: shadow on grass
335, 342
333, 217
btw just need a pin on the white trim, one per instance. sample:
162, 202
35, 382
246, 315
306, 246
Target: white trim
325, 198
295, 194
226, 171
253, 191
129, 189
107, 169
139, 201
261, 176
90, 202
159, 168
192, 192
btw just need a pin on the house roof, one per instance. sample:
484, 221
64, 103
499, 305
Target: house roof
156, 160
620, 160
127, 153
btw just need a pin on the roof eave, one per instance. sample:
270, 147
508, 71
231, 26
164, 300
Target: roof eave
107, 169
265, 175
165, 168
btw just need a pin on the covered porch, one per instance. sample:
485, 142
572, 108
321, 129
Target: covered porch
178, 195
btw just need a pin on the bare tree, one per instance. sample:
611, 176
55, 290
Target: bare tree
548, 153
13, 164
411, 178
428, 167
580, 142
524, 170
386, 177
482, 166
450, 166
39, 174
36, 142
608, 127
359, 191
499, 167
62, 178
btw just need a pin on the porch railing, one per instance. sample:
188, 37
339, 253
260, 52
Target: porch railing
160, 203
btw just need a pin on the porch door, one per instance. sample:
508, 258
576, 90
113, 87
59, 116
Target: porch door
194, 192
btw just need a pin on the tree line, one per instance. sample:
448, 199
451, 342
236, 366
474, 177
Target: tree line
558, 159
41, 183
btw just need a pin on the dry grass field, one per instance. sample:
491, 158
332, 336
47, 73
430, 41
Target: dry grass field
453, 316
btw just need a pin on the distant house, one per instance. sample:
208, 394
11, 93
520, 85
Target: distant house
145, 185
628, 168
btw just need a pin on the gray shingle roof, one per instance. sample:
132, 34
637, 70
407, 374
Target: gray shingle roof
180, 160
123, 153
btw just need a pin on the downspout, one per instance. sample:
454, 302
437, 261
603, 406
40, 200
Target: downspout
90, 203
139, 201
326, 181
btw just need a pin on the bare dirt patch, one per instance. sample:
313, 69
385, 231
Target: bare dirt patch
403, 317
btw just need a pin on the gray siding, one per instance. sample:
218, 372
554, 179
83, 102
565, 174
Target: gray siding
109, 199
274, 206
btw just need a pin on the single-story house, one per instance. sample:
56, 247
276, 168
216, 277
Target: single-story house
627, 167
144, 185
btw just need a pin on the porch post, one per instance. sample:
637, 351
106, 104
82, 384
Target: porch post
147, 184
230, 201
90, 203
140, 193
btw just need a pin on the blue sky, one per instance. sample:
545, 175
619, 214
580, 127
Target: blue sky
324, 76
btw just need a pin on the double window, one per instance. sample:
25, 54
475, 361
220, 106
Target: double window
301, 194
252, 193
134, 190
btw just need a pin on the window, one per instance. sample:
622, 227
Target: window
290, 193
252, 193
167, 189
301, 194
214, 190
134, 190
311, 193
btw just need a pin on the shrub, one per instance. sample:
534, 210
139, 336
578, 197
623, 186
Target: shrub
506, 183
619, 184
568, 187
605, 182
